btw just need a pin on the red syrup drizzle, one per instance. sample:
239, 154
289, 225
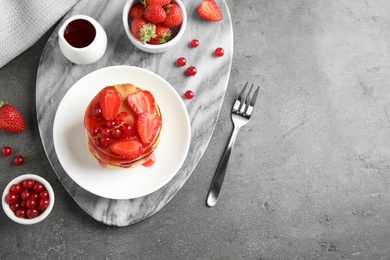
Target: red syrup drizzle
80, 33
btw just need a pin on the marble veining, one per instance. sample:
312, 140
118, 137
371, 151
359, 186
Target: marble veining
56, 75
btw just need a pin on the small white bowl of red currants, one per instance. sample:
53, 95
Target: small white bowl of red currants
151, 32
28, 199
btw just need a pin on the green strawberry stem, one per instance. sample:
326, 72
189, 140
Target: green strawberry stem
2, 103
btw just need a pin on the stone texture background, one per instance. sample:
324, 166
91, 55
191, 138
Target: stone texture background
309, 177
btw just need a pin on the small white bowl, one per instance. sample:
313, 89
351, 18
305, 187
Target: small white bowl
151, 48
40, 217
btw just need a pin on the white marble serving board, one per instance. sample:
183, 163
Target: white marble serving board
56, 75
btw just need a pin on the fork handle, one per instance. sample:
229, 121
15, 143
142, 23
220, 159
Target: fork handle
219, 176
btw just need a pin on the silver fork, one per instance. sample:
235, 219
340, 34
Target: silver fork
241, 113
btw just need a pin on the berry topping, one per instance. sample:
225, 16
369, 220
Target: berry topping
96, 112
209, 10
219, 52
141, 102
191, 71
181, 61
127, 148
148, 126
6, 151
110, 101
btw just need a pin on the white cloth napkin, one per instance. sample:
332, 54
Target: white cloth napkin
23, 22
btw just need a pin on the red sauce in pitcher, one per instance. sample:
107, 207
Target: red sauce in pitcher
80, 33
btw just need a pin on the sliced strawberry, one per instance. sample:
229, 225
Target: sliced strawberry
148, 125
209, 10
128, 148
110, 101
141, 102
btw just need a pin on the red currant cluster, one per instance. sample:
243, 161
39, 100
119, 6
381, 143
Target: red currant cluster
28, 199
7, 151
191, 70
105, 134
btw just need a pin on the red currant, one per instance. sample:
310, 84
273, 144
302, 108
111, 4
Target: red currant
189, 94
14, 207
181, 61
31, 204
32, 213
15, 188
194, 43
19, 160
38, 187
28, 184
191, 71
219, 52
6, 151
44, 194
44, 203
116, 133
106, 132
94, 132
26, 195
96, 111
111, 124
127, 130
20, 213
11, 198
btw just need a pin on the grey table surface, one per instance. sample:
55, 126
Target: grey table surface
309, 176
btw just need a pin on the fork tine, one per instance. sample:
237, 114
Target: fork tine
246, 102
249, 109
238, 104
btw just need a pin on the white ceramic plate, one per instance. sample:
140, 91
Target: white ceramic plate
70, 138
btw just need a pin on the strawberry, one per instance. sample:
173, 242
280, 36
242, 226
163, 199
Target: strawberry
209, 10
155, 14
110, 101
130, 148
137, 11
11, 120
148, 125
174, 15
141, 102
142, 30
163, 34
157, 2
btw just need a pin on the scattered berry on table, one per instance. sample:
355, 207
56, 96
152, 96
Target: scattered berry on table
11, 120
209, 10
191, 71
219, 52
19, 160
181, 61
6, 151
189, 94
194, 43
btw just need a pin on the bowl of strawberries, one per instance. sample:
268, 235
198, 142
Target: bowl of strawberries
154, 26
